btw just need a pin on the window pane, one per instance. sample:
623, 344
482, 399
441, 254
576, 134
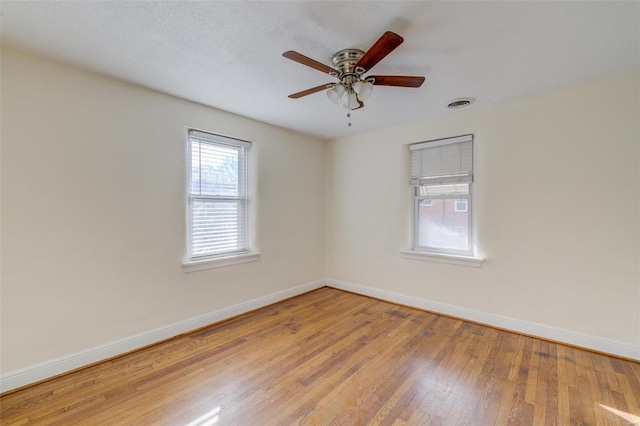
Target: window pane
217, 226
441, 226
442, 177
214, 169
195, 167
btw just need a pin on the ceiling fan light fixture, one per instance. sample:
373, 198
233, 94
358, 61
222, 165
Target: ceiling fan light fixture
363, 88
365, 91
335, 93
350, 101
357, 86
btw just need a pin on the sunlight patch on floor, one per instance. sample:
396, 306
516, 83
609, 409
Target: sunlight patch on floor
633, 419
210, 418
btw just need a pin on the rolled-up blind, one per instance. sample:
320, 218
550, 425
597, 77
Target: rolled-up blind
442, 161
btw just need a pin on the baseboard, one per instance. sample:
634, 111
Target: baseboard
598, 344
55, 367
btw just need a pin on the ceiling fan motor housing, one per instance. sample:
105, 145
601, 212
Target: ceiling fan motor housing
345, 61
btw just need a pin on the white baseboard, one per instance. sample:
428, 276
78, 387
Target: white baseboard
54, 367
586, 341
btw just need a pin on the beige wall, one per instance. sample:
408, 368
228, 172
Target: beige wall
93, 211
557, 204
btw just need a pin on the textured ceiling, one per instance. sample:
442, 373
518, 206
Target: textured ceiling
229, 54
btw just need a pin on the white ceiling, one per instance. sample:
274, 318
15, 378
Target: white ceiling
229, 54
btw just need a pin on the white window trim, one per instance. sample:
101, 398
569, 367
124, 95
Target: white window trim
193, 264
458, 257
471, 261
219, 262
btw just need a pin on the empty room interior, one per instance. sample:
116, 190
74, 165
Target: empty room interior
359, 213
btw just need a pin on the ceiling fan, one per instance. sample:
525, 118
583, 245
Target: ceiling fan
349, 67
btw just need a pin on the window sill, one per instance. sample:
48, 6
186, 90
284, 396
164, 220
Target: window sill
220, 262
473, 262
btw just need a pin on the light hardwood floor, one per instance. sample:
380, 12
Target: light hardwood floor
331, 357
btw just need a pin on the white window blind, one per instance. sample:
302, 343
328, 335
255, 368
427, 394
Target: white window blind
217, 195
442, 161
442, 176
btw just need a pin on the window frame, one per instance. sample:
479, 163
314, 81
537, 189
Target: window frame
230, 257
417, 199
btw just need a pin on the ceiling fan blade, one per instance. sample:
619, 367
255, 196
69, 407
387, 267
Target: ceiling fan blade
300, 58
312, 90
397, 80
381, 48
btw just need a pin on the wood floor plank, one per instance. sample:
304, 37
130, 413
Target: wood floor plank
568, 380
330, 357
362, 388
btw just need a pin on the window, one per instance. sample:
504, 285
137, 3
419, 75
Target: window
460, 205
217, 216
442, 178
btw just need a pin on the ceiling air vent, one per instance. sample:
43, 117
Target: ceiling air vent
460, 103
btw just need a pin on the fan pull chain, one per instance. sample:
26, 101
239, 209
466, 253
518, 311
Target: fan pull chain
348, 109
